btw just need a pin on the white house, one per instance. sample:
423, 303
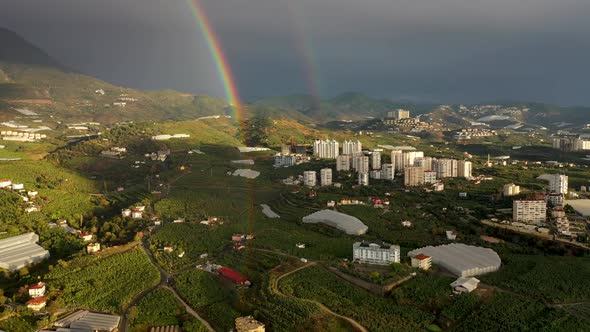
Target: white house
422, 262
37, 304
37, 290
5, 183
137, 214
18, 186
126, 213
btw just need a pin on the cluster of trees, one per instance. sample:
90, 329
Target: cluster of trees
159, 308
118, 277
373, 312
553, 278
254, 131
506, 312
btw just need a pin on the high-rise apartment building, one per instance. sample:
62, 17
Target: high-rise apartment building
376, 160
398, 114
309, 178
352, 148
558, 183
326, 177
343, 163
413, 176
387, 172
530, 211
328, 149
510, 190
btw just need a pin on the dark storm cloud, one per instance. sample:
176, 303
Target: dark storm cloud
439, 50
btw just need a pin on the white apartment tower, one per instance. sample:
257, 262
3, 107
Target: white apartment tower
530, 211
363, 179
510, 190
409, 157
413, 176
375, 253
361, 164
351, 148
446, 168
387, 172
309, 178
398, 114
343, 163
326, 177
376, 160
328, 149
465, 169
558, 183
397, 160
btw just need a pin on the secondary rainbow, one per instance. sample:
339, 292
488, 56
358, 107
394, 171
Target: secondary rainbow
219, 58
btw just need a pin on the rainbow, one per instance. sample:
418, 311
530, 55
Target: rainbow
305, 49
218, 56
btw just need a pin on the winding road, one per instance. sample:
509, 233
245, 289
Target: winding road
276, 290
164, 283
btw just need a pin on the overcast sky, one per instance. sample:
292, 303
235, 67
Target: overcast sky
423, 50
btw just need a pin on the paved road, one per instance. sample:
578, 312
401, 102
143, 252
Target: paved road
164, 283
275, 289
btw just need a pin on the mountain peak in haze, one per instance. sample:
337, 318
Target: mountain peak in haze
15, 49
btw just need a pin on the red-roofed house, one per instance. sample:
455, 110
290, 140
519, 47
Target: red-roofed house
86, 236
37, 290
422, 261
233, 276
5, 183
37, 304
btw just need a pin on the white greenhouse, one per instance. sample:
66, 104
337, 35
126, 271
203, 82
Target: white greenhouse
348, 224
20, 251
461, 259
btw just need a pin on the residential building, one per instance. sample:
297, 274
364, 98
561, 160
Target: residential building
92, 248
376, 160
446, 168
37, 290
361, 164
529, 211
387, 172
4, 183
37, 303
409, 157
309, 178
249, 324
398, 114
425, 162
375, 253
363, 179
136, 214
429, 177
326, 177
397, 160
451, 235
352, 148
556, 199
421, 261
284, 160
413, 176
328, 149
343, 163
439, 186
375, 175
464, 169
511, 189
558, 183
